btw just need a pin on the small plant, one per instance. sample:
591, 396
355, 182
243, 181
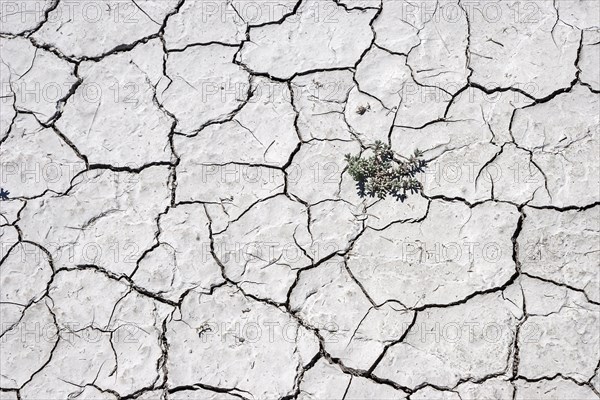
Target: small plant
361, 110
383, 174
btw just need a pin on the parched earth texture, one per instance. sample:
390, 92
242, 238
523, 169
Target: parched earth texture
177, 219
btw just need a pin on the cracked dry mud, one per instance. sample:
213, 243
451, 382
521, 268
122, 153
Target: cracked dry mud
181, 225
